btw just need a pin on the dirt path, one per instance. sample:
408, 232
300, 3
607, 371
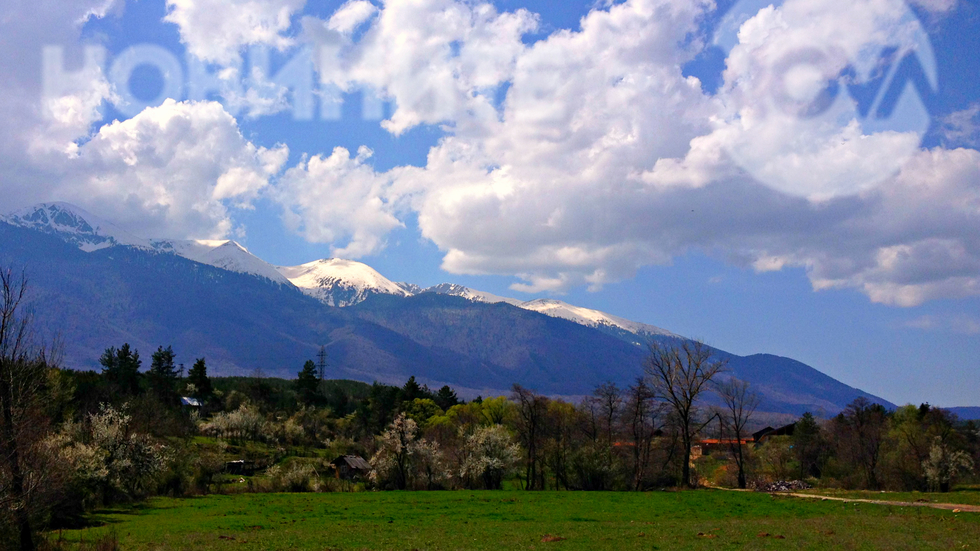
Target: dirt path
955, 507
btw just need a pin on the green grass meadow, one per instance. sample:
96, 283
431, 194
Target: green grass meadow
702, 519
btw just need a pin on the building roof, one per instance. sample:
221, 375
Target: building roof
719, 441
785, 430
352, 461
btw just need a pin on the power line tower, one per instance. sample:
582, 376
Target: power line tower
321, 363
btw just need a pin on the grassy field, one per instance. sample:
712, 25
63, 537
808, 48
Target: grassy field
517, 520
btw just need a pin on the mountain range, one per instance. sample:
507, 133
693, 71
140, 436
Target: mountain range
95, 285
333, 281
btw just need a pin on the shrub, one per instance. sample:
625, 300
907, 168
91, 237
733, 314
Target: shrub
295, 477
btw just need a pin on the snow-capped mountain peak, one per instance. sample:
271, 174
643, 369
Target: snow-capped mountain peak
339, 282
74, 225
471, 294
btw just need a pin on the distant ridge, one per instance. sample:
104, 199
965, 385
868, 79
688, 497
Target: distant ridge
97, 286
966, 413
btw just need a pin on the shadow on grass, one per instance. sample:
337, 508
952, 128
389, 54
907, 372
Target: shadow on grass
102, 542
116, 514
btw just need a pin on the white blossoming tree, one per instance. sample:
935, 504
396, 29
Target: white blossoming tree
491, 455
244, 423
945, 464
108, 458
403, 459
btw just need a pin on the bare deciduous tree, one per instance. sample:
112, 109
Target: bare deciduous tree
23, 373
601, 414
559, 423
679, 373
860, 432
739, 403
531, 410
610, 400
640, 416
590, 418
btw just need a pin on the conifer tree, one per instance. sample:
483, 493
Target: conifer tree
411, 390
198, 376
807, 445
121, 368
446, 398
163, 374
308, 383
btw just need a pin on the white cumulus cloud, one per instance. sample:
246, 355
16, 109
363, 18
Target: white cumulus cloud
604, 158
336, 198
571, 160
962, 128
438, 60
936, 6
217, 30
351, 15
45, 115
549, 189
172, 171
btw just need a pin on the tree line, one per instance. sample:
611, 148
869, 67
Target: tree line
72, 441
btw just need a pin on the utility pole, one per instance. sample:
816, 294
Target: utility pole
322, 361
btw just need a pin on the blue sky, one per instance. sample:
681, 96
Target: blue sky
528, 152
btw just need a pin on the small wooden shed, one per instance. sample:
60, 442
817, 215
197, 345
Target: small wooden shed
350, 467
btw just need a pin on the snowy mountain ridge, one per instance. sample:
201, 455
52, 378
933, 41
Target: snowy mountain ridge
555, 309
591, 318
455, 290
75, 226
224, 254
145, 296
333, 281
90, 233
